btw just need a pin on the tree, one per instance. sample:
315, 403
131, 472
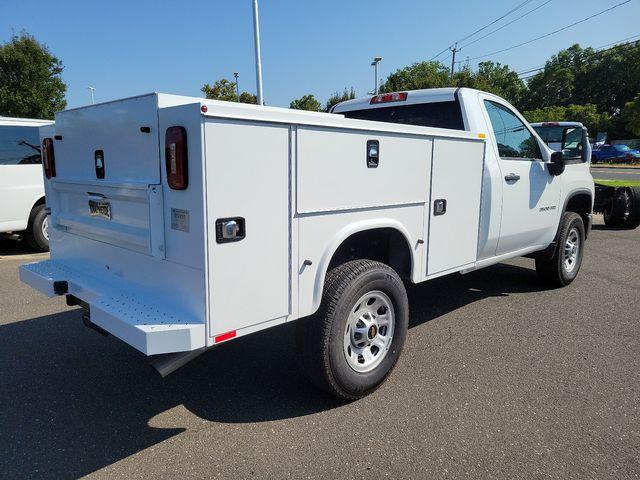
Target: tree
30, 79
306, 102
499, 79
339, 97
631, 116
246, 97
417, 76
586, 114
225, 90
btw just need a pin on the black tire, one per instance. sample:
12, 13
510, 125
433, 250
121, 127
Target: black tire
34, 235
615, 209
553, 271
321, 337
633, 216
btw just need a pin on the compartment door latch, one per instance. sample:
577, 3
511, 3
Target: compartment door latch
230, 229
439, 207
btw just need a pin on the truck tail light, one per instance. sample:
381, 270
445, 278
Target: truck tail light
389, 97
48, 158
175, 150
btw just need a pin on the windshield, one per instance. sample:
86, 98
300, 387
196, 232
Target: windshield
19, 145
435, 114
550, 134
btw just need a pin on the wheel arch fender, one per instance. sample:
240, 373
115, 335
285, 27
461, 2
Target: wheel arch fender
347, 232
572, 196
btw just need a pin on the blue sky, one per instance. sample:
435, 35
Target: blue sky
124, 48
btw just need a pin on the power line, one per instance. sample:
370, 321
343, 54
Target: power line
551, 33
615, 44
593, 54
506, 24
495, 21
483, 28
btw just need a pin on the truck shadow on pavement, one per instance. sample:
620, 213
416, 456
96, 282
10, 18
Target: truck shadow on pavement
74, 402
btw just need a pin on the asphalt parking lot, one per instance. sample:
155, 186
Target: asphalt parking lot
500, 378
604, 173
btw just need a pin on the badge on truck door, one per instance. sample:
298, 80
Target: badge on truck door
180, 220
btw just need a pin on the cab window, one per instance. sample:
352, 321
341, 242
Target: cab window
514, 139
19, 145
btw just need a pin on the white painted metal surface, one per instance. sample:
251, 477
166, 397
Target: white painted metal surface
302, 185
21, 185
456, 177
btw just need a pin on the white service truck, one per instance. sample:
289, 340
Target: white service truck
22, 202
182, 223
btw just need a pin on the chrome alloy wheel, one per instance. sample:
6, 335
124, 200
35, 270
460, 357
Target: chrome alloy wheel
369, 331
571, 250
45, 227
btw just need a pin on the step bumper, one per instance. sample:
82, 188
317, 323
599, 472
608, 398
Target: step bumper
138, 321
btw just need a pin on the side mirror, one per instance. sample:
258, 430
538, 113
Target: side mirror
557, 164
575, 144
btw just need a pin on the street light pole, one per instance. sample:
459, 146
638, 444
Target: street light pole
374, 64
236, 75
91, 89
256, 34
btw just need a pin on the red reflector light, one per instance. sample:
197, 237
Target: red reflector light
48, 158
225, 336
175, 151
389, 97
203, 109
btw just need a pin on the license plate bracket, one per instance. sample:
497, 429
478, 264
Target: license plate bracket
100, 208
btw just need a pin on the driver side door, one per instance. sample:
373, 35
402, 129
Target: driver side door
530, 193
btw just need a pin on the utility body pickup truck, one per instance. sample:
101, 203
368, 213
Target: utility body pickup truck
22, 201
182, 223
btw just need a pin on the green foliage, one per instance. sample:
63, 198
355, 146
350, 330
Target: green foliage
500, 80
225, 90
339, 97
631, 116
586, 114
490, 77
30, 79
609, 79
246, 97
418, 76
306, 102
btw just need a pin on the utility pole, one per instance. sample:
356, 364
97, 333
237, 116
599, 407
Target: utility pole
256, 34
91, 89
374, 64
236, 75
454, 49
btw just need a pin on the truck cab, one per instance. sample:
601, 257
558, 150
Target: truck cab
521, 174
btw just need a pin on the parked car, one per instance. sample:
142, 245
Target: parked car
22, 199
235, 218
615, 153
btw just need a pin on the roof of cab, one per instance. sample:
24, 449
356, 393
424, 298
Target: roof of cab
428, 95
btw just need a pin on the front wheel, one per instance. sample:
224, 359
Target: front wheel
352, 343
561, 269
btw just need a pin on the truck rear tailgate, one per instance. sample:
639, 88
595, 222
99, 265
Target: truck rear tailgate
107, 160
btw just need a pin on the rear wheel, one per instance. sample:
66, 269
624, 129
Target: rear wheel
561, 269
352, 343
37, 233
632, 219
615, 209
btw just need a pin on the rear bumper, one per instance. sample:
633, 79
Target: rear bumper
138, 321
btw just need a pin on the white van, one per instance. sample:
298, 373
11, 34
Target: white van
22, 205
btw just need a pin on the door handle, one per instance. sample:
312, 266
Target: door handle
512, 177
